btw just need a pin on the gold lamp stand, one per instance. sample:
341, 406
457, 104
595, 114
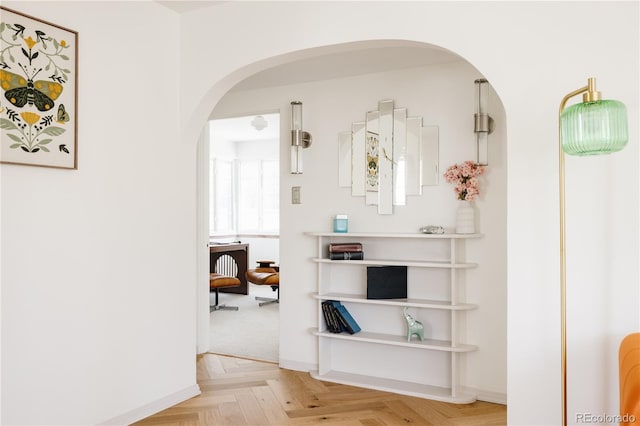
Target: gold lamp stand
608, 118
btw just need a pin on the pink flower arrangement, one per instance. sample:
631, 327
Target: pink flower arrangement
465, 178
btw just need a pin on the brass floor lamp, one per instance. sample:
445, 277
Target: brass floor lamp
592, 127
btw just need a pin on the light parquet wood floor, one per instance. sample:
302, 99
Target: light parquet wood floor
238, 392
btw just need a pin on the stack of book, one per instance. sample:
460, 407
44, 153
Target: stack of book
346, 251
337, 318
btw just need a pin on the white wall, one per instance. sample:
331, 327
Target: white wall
262, 248
329, 108
98, 264
531, 66
104, 322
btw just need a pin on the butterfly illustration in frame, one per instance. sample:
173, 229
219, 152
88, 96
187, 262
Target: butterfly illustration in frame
20, 91
38, 96
62, 116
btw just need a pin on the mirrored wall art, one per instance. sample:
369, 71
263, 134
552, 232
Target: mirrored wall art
429, 150
400, 154
344, 159
391, 156
372, 130
358, 163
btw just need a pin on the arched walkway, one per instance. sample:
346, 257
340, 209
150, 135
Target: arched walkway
431, 56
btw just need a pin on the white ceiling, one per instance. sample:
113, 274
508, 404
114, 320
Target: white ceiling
347, 64
239, 129
335, 65
187, 6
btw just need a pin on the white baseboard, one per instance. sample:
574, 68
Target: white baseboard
487, 396
297, 365
481, 394
153, 407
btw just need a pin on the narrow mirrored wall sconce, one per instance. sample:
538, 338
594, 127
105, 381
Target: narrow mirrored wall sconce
299, 138
483, 123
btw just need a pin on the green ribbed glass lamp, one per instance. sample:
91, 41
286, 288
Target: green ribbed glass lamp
594, 126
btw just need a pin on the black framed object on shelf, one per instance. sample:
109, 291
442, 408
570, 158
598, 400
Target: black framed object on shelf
386, 282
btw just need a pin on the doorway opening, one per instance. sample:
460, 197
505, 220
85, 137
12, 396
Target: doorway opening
244, 209
439, 72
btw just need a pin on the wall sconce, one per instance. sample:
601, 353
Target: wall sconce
588, 128
299, 138
483, 123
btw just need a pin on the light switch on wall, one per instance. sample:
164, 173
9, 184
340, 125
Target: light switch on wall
295, 195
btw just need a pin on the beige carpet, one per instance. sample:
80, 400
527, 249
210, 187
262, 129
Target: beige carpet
252, 331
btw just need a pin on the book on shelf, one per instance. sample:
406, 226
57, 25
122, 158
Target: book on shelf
344, 247
330, 318
337, 318
327, 318
345, 317
347, 255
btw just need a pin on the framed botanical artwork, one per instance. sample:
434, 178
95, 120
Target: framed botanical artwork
39, 82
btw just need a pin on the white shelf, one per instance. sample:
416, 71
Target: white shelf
383, 262
330, 278
412, 303
393, 340
393, 235
388, 385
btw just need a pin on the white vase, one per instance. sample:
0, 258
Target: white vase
465, 218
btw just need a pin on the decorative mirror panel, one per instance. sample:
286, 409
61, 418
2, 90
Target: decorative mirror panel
388, 157
358, 163
371, 144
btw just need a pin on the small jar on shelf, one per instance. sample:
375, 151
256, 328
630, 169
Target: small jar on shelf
341, 223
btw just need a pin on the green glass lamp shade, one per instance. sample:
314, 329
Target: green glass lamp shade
591, 128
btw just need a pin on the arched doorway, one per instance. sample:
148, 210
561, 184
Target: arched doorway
325, 118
